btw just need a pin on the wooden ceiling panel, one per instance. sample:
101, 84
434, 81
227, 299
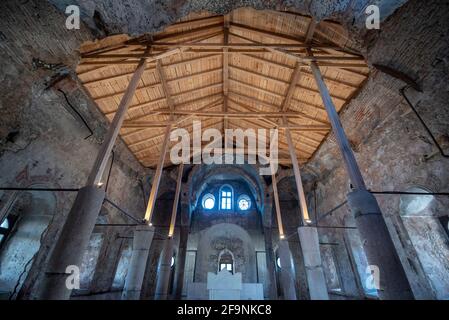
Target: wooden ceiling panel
266, 72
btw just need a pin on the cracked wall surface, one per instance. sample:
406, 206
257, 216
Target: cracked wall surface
42, 141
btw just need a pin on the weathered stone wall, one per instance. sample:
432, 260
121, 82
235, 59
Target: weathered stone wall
392, 148
43, 143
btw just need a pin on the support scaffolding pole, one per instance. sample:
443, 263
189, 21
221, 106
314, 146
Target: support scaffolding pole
378, 245
165, 260
75, 234
157, 176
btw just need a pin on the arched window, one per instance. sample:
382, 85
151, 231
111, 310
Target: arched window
226, 197
244, 202
226, 261
208, 201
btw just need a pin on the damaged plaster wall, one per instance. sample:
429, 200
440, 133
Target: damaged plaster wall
136, 17
44, 143
392, 148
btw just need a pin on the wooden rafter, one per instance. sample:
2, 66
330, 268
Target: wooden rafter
237, 74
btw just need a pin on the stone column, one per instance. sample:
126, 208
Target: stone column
180, 262
72, 243
74, 240
164, 270
287, 272
379, 249
143, 236
312, 261
107, 261
378, 244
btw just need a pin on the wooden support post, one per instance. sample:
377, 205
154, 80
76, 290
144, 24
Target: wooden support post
351, 165
277, 206
377, 243
163, 78
103, 156
157, 176
80, 222
165, 267
175, 202
305, 218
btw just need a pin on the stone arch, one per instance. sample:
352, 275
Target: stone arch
32, 212
215, 239
221, 254
428, 237
201, 174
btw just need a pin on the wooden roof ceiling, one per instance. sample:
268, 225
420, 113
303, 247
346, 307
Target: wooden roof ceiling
250, 65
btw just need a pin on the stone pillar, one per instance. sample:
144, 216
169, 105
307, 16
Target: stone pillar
371, 225
72, 243
379, 249
271, 267
164, 270
180, 262
107, 261
143, 236
287, 272
312, 261
74, 240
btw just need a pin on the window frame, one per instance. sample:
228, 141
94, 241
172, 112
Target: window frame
244, 197
230, 198
206, 197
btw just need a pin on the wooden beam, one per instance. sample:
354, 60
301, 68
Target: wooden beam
219, 48
277, 206
225, 68
102, 158
296, 75
147, 125
297, 114
196, 32
301, 196
239, 115
171, 230
345, 148
294, 80
194, 22
157, 176
152, 67
163, 78
152, 102
252, 87
304, 72
159, 136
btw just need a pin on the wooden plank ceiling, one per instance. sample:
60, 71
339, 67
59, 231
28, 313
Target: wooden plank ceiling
250, 65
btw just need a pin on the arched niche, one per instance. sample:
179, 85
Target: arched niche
420, 216
225, 237
201, 175
226, 261
31, 213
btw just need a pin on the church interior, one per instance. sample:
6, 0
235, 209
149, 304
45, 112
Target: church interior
348, 200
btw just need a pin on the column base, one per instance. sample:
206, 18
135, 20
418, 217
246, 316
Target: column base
72, 243
164, 271
287, 273
143, 236
378, 245
308, 237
